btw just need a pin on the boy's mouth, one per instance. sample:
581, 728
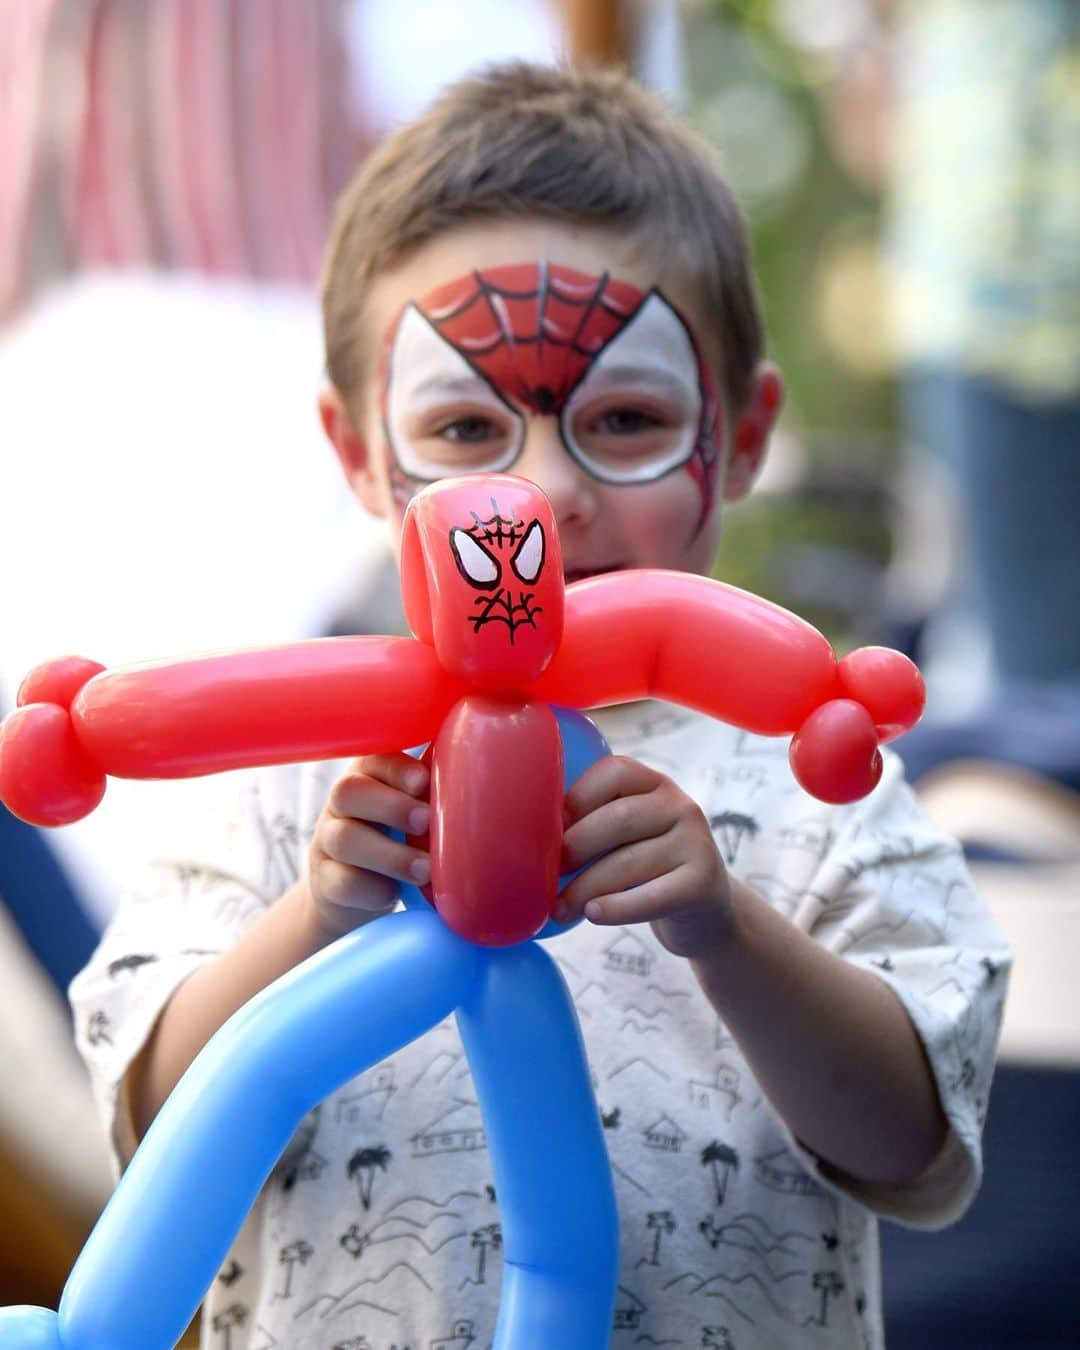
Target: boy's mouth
572, 574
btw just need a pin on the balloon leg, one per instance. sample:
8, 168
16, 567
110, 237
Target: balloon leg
168, 1227
28, 1328
552, 1175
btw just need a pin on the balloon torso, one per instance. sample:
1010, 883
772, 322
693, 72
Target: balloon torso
496, 817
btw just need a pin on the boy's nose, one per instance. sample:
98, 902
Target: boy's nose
547, 462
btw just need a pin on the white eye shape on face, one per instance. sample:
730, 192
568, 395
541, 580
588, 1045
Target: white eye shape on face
474, 562
653, 357
528, 560
427, 375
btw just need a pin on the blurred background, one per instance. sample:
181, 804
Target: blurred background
912, 176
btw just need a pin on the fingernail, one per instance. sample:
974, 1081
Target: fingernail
420, 870
594, 911
419, 817
417, 780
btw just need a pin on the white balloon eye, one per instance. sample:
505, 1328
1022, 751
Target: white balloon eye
528, 560
474, 562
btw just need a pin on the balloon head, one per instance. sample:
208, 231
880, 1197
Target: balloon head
482, 578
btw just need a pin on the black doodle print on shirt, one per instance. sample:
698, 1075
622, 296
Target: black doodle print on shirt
370, 1097
124, 965
98, 1028
659, 1223
231, 1273
721, 1160
458, 1129
730, 829
290, 1256
781, 1172
629, 1310
362, 1166
629, 954
235, 1315
482, 1240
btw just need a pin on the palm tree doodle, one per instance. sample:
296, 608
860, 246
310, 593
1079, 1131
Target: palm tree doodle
483, 1238
362, 1165
721, 1158
296, 1251
661, 1221
233, 1316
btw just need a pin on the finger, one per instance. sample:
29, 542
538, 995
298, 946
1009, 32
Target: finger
359, 797
623, 869
610, 777
662, 897
623, 820
399, 771
367, 849
344, 890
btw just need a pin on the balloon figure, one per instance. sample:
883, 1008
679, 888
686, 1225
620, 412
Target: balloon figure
503, 655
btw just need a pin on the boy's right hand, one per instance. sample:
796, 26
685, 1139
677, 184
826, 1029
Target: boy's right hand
353, 864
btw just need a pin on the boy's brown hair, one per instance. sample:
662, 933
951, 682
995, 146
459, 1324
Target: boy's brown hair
523, 141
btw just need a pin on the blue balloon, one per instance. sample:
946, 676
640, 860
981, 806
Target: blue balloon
338, 1013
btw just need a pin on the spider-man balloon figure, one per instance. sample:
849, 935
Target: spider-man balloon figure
498, 641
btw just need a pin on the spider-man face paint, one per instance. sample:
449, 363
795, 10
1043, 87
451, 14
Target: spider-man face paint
618, 367
482, 579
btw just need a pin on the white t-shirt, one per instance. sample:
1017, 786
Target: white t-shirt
732, 1234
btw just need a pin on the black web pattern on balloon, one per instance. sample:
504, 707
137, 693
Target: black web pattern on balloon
501, 534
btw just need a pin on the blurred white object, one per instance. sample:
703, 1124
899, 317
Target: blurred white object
403, 54
1035, 901
167, 489
47, 1114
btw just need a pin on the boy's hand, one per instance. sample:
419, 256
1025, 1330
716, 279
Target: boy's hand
656, 860
353, 864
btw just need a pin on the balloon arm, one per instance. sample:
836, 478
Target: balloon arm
693, 641
741, 659
322, 699
310, 700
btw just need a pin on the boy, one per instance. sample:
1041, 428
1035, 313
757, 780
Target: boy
545, 275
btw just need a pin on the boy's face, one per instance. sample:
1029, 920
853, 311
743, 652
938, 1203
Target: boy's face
560, 354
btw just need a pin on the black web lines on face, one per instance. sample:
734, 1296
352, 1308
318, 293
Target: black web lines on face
559, 328
482, 554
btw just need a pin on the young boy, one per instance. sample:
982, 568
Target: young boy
790, 1010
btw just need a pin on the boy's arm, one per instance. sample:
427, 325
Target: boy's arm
287, 934
831, 1045
353, 875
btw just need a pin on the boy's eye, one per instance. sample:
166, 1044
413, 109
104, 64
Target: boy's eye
473, 430
625, 421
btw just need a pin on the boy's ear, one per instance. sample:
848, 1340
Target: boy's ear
351, 449
750, 436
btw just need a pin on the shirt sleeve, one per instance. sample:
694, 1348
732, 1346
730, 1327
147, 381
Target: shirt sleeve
894, 896
242, 849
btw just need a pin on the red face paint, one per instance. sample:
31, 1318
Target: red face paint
618, 367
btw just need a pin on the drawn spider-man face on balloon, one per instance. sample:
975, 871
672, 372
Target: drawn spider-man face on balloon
618, 368
483, 580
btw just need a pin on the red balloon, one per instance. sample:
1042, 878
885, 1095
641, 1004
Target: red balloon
498, 637
45, 776
57, 681
888, 685
834, 754
496, 823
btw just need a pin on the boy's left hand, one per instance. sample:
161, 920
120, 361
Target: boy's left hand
656, 859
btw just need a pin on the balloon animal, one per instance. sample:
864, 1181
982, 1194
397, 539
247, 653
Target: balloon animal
498, 641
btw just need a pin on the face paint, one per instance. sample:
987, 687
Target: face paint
618, 367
